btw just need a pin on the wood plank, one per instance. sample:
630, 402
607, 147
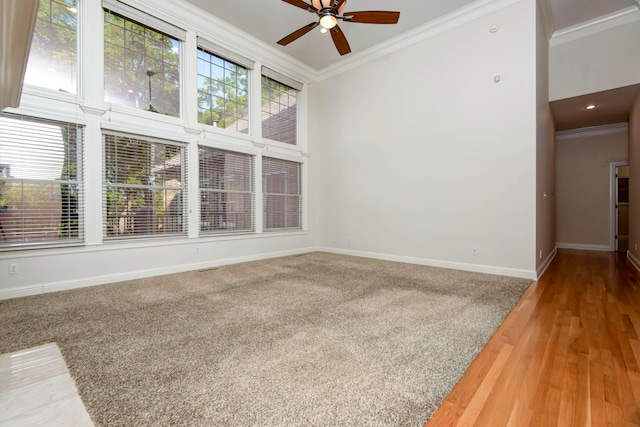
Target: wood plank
480, 397
567, 408
568, 354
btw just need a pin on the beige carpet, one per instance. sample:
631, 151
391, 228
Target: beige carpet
311, 340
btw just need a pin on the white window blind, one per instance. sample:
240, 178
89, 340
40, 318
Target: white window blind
41, 184
144, 190
226, 53
144, 18
288, 81
282, 196
226, 191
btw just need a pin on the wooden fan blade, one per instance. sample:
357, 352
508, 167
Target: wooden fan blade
301, 5
297, 34
372, 17
341, 5
340, 40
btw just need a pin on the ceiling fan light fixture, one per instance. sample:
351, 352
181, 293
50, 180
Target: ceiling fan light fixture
329, 13
328, 21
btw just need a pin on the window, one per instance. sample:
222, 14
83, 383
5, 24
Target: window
223, 95
41, 194
282, 194
279, 107
144, 187
226, 191
53, 57
142, 64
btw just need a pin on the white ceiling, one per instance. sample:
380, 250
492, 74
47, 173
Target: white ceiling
270, 20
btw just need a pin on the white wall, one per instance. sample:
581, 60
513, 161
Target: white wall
583, 185
42, 270
634, 184
605, 60
424, 157
545, 156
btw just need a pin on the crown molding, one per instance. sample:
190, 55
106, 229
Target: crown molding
593, 131
439, 25
597, 25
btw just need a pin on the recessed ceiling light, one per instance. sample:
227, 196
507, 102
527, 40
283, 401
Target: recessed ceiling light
590, 107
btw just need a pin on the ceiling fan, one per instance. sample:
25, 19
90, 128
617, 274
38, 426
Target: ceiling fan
330, 11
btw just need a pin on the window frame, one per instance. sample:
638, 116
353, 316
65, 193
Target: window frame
226, 57
76, 76
145, 81
266, 115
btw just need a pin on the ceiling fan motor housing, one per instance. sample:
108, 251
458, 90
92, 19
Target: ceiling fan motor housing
325, 4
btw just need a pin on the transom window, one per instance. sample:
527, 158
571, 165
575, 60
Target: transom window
223, 93
226, 191
142, 65
41, 189
144, 187
279, 109
52, 60
282, 194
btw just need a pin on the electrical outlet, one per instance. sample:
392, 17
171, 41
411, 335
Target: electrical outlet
350, 239
474, 251
540, 253
636, 247
13, 268
197, 249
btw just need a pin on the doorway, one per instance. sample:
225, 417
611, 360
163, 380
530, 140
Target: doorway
622, 208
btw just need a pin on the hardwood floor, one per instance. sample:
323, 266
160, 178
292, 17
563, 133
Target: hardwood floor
567, 355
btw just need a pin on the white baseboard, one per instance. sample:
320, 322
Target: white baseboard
476, 268
547, 261
633, 260
139, 274
582, 247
